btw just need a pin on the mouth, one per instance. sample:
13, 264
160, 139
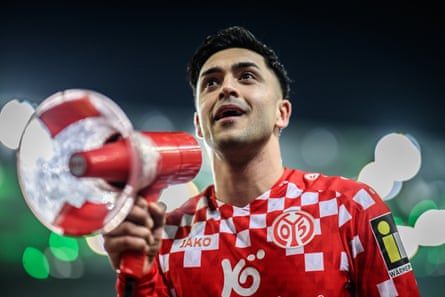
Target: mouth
228, 111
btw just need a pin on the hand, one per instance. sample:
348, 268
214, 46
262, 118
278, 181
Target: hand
141, 231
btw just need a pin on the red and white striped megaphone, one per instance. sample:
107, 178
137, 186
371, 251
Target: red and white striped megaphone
81, 164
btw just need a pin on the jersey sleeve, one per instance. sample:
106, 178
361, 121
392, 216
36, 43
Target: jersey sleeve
379, 265
151, 284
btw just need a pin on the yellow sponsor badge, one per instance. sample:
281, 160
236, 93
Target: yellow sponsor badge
390, 244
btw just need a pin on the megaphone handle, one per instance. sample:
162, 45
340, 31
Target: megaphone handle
132, 263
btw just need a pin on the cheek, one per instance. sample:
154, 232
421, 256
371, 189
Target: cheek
203, 108
267, 116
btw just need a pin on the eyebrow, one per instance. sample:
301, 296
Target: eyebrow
235, 67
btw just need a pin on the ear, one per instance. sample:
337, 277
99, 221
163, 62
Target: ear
284, 112
198, 130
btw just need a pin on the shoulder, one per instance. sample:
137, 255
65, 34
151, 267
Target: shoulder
346, 190
316, 181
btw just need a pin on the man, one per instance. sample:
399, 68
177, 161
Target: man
262, 229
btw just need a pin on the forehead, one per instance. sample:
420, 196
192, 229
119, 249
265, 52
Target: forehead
232, 56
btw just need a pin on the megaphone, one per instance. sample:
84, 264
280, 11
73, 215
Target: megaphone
81, 165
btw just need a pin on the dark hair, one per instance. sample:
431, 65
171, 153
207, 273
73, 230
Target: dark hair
232, 37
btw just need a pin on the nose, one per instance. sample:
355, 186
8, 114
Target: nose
228, 89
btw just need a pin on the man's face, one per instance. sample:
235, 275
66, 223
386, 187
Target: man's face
238, 100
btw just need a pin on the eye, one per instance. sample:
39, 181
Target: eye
209, 82
247, 76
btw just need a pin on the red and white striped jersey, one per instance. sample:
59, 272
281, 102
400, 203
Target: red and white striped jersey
310, 235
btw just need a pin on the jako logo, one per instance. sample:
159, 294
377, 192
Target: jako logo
293, 229
196, 242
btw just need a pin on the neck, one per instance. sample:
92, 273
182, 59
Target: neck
242, 178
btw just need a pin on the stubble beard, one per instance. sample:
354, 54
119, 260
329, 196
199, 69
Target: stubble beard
239, 146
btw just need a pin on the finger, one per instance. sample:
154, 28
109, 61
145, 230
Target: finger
138, 213
140, 201
157, 213
156, 223
162, 205
117, 245
128, 228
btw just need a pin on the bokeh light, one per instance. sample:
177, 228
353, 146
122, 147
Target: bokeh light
375, 175
96, 244
63, 247
155, 121
430, 228
397, 158
175, 195
35, 263
319, 148
64, 269
418, 209
395, 190
14, 116
409, 238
